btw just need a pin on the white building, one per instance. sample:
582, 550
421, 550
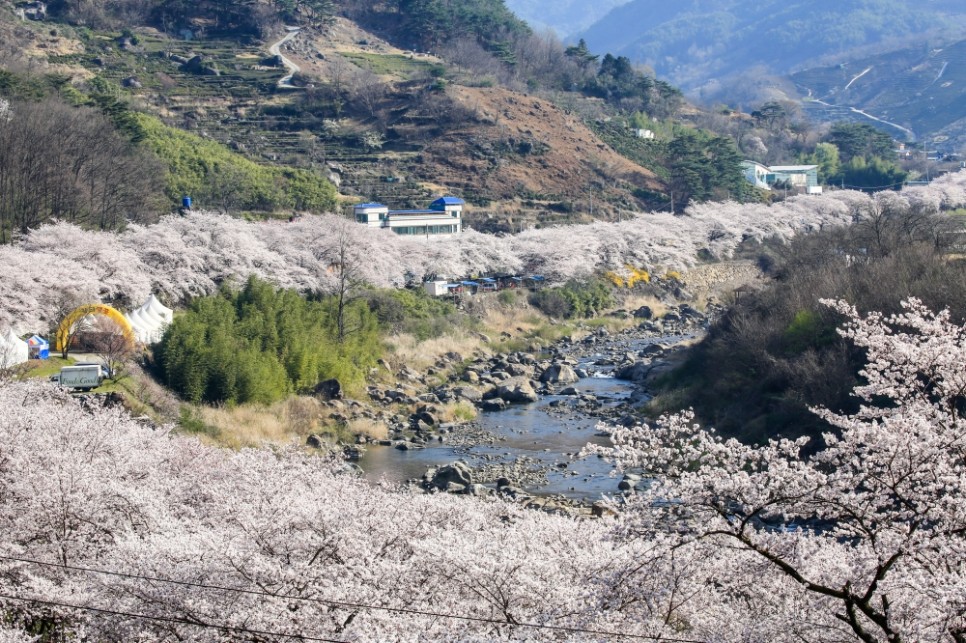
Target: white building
443, 217
795, 177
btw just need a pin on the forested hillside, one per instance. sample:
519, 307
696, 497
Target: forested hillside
502, 116
695, 41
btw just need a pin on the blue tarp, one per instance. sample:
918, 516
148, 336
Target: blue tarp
470, 283
39, 347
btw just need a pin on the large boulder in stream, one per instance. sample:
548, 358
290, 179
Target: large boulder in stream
457, 473
635, 372
559, 374
517, 390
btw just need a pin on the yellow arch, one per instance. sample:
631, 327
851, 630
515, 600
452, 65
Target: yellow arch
63, 331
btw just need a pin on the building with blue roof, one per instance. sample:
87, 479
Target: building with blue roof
444, 217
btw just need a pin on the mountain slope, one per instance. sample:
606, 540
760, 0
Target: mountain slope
563, 16
922, 90
694, 41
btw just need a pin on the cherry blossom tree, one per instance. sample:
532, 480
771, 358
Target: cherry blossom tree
170, 539
866, 539
183, 257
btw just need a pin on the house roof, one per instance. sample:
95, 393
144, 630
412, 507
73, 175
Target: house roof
747, 163
370, 205
443, 201
792, 168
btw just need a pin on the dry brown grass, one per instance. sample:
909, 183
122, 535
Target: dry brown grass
456, 412
372, 429
420, 355
252, 425
632, 302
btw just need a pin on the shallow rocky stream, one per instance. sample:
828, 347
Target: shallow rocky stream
531, 449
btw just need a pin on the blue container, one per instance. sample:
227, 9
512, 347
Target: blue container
186, 202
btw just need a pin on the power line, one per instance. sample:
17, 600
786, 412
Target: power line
346, 604
168, 619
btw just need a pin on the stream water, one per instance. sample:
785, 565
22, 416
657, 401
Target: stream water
545, 436
531, 433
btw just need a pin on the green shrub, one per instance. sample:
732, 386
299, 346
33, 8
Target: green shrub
190, 421
507, 298
260, 344
551, 302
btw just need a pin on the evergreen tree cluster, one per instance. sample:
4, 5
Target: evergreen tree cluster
617, 81
221, 17
260, 344
432, 23
857, 156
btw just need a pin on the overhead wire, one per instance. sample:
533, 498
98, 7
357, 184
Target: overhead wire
169, 619
347, 604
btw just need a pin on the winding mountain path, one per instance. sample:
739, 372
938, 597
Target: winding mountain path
276, 50
856, 110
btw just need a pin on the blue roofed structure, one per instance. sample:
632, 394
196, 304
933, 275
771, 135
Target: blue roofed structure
444, 201
444, 217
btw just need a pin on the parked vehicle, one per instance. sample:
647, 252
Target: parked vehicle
80, 376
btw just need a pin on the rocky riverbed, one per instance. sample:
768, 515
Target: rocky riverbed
537, 411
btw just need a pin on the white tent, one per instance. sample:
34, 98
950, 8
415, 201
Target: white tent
159, 310
150, 320
13, 350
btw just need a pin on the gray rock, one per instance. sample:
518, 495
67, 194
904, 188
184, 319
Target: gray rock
570, 390
495, 404
644, 312
517, 390
601, 510
314, 441
636, 372
454, 473
651, 349
427, 418
517, 370
479, 490
328, 390
559, 374
467, 393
